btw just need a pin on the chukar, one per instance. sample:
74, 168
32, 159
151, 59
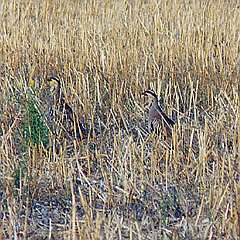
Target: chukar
157, 119
58, 103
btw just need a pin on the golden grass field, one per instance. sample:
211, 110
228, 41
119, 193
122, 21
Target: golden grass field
121, 182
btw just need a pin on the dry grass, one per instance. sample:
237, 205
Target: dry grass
121, 183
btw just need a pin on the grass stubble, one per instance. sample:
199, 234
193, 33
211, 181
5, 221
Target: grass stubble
120, 183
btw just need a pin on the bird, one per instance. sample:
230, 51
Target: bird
58, 104
157, 119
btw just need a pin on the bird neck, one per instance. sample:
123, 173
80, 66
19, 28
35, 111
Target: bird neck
156, 105
57, 94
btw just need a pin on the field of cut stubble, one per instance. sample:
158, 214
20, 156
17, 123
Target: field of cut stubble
121, 182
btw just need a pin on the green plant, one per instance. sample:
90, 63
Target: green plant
34, 128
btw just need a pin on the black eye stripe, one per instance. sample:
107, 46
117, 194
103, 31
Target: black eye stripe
151, 92
53, 79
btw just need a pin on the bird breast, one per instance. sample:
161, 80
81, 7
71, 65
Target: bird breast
153, 114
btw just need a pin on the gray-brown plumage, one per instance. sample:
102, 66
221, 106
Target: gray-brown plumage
157, 119
59, 104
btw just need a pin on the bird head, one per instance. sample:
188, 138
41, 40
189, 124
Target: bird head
54, 83
151, 93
